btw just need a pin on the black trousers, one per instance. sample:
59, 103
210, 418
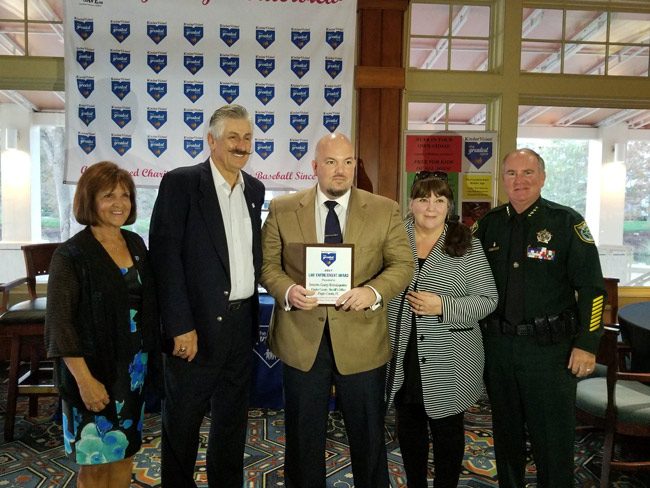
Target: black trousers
448, 434
189, 389
531, 389
360, 399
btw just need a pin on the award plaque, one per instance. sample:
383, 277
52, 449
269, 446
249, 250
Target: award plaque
329, 270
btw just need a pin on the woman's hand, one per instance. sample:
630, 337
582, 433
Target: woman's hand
424, 303
94, 394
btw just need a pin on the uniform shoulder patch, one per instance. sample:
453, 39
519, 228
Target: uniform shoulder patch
582, 229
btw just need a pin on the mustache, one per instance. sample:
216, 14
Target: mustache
242, 153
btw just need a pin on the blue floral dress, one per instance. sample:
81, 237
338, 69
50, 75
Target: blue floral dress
115, 433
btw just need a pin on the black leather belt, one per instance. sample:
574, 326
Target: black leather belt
234, 305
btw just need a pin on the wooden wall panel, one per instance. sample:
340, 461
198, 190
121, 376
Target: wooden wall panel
380, 81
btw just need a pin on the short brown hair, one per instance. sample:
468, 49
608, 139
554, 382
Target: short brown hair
96, 178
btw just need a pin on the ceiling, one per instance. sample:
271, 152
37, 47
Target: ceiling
46, 39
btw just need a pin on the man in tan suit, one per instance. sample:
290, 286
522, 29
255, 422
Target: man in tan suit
346, 344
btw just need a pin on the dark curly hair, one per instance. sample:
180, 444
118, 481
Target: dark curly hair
458, 238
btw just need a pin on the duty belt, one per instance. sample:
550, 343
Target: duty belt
549, 328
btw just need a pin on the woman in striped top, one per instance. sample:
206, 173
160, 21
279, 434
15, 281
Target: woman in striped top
437, 366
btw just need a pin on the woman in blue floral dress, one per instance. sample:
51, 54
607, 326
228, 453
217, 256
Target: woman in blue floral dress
101, 329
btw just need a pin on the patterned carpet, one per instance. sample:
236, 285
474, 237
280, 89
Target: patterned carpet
36, 457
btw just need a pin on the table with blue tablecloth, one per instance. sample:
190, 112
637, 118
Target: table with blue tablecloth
266, 389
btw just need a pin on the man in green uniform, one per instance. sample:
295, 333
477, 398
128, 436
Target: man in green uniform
546, 328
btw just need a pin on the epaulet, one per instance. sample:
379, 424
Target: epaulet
559, 207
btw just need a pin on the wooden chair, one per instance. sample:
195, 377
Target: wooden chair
611, 305
618, 403
23, 324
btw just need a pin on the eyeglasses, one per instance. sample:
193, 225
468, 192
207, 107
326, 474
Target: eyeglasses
430, 175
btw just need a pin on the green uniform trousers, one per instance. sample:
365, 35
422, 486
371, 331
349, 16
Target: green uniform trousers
531, 389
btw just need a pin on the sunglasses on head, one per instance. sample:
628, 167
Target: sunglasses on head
430, 175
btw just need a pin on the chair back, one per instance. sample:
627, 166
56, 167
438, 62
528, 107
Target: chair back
611, 287
37, 262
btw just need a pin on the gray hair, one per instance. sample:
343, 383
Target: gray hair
218, 119
530, 152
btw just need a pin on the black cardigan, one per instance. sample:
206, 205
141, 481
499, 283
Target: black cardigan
88, 308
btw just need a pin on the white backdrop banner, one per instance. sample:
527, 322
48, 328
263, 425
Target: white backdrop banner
143, 78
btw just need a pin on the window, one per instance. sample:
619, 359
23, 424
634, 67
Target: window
585, 42
446, 116
31, 28
449, 37
598, 164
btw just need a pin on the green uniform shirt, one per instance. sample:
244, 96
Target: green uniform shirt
561, 265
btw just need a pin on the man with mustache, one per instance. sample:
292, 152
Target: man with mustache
207, 255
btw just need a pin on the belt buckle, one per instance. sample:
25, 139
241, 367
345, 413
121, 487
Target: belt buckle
524, 330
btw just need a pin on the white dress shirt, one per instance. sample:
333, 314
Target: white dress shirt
239, 234
321, 212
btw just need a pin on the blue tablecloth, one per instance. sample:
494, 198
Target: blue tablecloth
266, 390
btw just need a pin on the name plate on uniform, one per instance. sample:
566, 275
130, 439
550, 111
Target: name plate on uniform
329, 270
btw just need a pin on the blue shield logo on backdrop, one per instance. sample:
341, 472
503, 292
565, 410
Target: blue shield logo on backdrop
265, 37
333, 67
300, 66
86, 142
120, 30
478, 153
229, 64
331, 121
193, 63
193, 91
299, 94
264, 148
328, 258
120, 88
121, 116
298, 149
86, 86
193, 119
265, 93
334, 38
157, 118
157, 32
86, 114
264, 120
193, 33
157, 62
332, 94
229, 35
265, 65
85, 57
121, 144
157, 145
229, 92
157, 89
299, 121
84, 28
193, 146
300, 38
120, 59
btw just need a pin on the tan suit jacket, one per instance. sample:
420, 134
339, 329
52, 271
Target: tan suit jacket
382, 259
